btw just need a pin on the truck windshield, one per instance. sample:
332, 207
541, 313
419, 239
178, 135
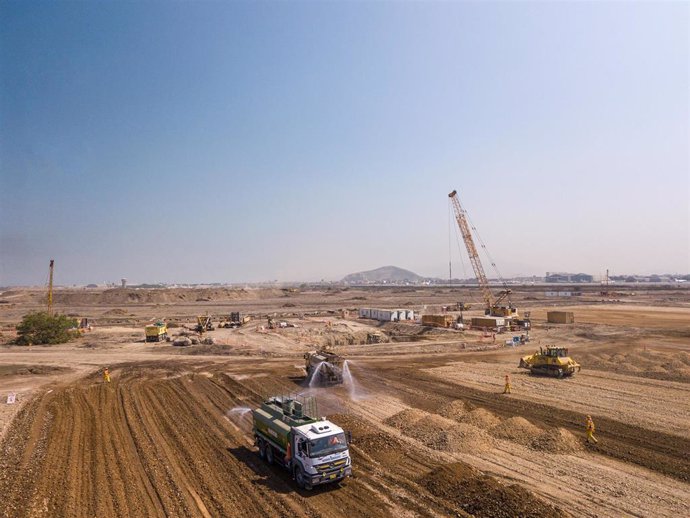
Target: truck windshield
327, 445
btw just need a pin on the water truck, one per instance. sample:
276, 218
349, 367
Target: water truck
313, 449
324, 368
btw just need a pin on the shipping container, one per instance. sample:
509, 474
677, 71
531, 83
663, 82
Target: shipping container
438, 320
560, 317
488, 322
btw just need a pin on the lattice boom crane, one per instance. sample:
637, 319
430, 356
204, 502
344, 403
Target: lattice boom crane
493, 305
471, 249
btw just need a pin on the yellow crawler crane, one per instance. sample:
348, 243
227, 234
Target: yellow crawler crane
551, 361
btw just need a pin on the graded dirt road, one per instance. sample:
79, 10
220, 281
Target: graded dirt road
433, 435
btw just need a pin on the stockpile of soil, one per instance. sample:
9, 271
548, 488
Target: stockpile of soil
516, 429
649, 364
455, 410
482, 418
556, 440
440, 433
483, 496
334, 337
373, 441
403, 420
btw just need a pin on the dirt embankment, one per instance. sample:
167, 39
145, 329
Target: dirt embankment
122, 296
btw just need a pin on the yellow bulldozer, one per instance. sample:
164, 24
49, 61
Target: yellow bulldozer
550, 361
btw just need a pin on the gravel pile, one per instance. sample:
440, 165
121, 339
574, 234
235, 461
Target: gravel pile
516, 429
440, 433
556, 440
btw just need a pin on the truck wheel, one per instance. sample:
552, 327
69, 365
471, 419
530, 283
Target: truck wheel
301, 479
262, 452
269, 454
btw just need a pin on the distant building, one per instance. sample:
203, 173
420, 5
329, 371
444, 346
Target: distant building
552, 277
124, 282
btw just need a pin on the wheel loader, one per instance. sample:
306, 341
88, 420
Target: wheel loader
550, 361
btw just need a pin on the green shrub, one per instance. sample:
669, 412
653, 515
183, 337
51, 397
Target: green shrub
42, 328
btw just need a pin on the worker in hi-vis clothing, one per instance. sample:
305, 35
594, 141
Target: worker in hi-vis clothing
590, 430
106, 375
506, 389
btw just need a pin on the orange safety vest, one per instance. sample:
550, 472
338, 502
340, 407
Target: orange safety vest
288, 453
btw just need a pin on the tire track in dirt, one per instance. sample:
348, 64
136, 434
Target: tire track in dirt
151, 444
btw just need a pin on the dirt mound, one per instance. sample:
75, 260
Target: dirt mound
556, 440
117, 312
440, 433
482, 418
516, 429
456, 410
405, 419
483, 496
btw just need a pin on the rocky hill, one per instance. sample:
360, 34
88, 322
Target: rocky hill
387, 274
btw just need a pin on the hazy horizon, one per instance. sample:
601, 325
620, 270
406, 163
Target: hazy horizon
246, 142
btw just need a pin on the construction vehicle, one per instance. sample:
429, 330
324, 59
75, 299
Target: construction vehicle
550, 361
235, 320
203, 324
494, 306
314, 449
463, 306
271, 322
324, 367
83, 324
157, 332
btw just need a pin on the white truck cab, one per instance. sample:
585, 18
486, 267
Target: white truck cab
321, 452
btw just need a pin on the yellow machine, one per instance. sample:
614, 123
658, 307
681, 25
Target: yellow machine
203, 324
551, 361
157, 332
83, 324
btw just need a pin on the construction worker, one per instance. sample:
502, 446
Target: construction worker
506, 388
106, 375
590, 430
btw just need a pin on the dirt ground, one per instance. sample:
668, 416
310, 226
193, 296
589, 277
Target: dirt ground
433, 435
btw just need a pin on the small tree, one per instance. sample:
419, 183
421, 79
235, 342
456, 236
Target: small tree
42, 328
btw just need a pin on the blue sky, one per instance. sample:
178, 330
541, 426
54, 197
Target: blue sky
251, 141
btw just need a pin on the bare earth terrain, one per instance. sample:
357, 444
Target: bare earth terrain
433, 434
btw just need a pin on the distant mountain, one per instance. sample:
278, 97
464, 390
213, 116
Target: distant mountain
387, 274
